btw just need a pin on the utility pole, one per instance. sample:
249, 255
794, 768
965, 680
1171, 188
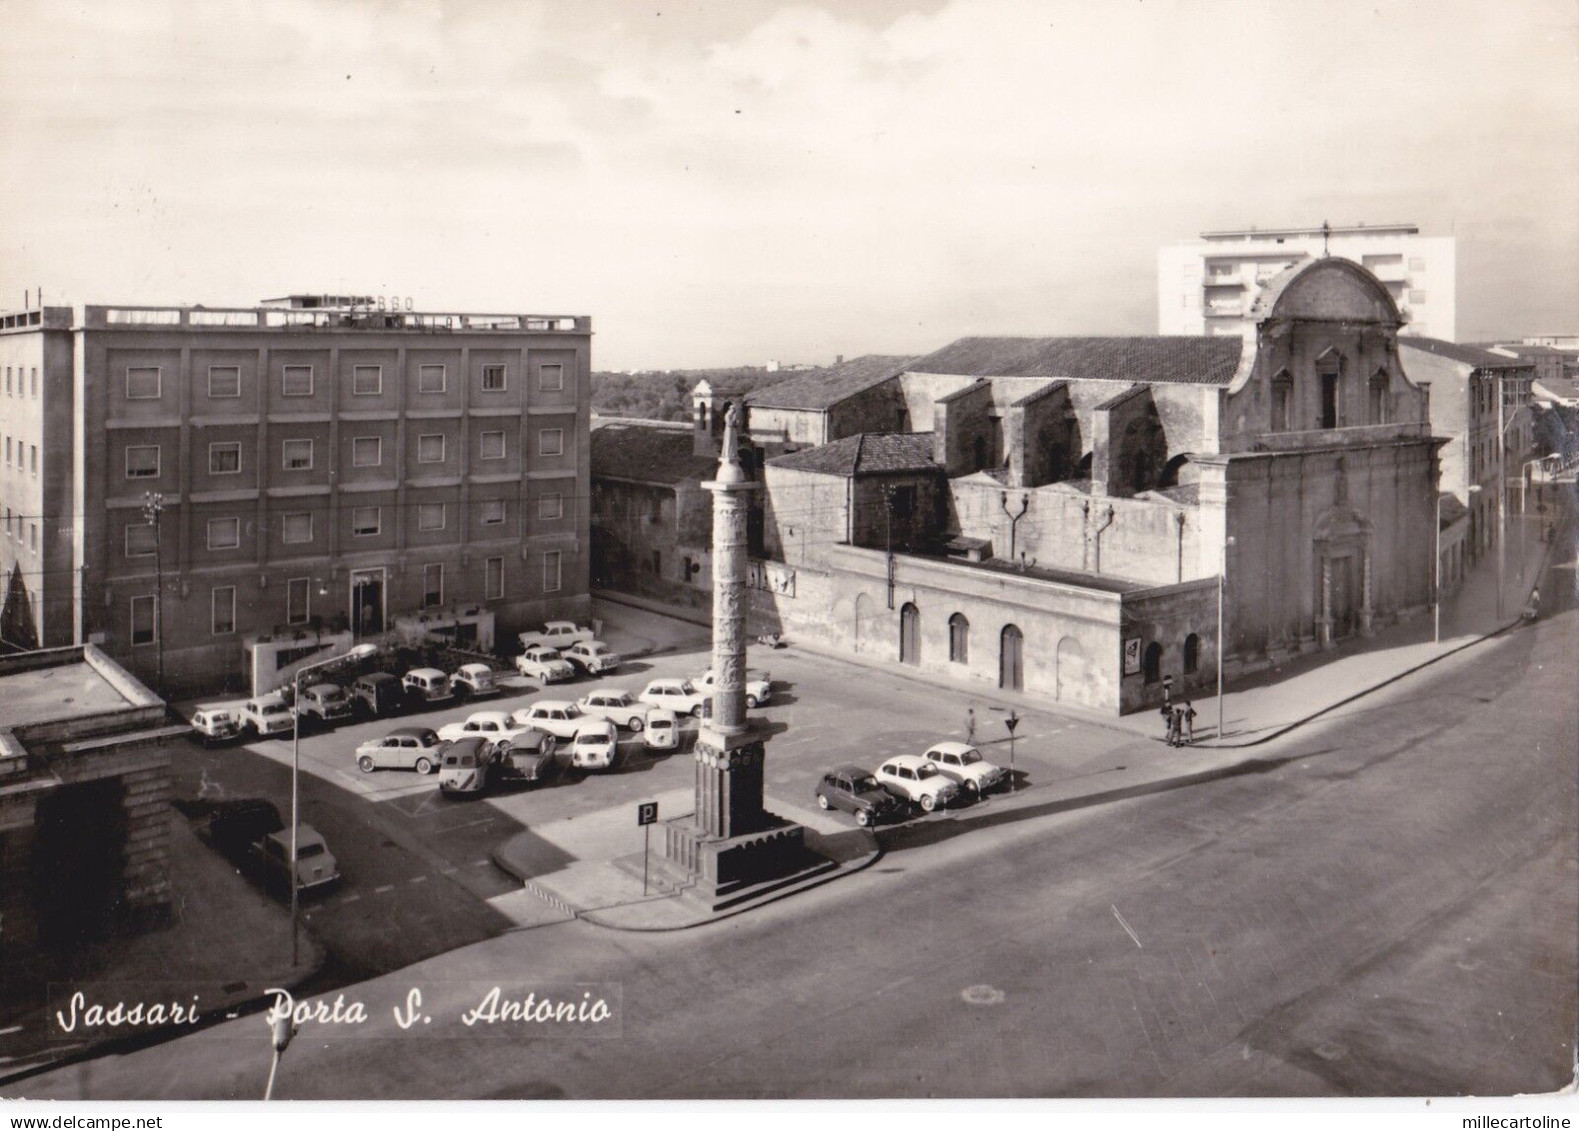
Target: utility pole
153, 509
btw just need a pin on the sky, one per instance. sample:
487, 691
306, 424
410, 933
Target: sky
724, 183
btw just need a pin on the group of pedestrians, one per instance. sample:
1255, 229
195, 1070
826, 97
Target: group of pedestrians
1180, 720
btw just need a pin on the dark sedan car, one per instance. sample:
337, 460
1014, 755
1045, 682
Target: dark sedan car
856, 791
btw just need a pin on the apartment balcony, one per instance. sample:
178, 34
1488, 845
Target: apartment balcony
1224, 310
277, 318
1225, 279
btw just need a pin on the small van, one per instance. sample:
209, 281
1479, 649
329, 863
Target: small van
595, 746
662, 731
466, 768
268, 714
378, 695
215, 724
427, 685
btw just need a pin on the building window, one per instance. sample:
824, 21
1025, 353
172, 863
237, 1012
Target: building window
224, 382
141, 541
297, 529
33, 380
430, 516
367, 451
32, 458
8, 451
492, 512
1192, 654
1379, 398
551, 378
298, 600
493, 379
143, 383
1417, 296
430, 448
1282, 400
430, 378
8, 380
551, 506
365, 521
224, 533
297, 455
432, 586
958, 639
142, 461
493, 578
552, 566
1329, 400
367, 380
32, 536
297, 381
224, 459
491, 445
1151, 663
224, 610
551, 442
145, 620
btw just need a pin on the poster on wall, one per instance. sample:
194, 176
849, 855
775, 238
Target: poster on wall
1132, 656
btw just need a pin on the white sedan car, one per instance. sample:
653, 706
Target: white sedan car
545, 664
617, 706
558, 717
595, 746
912, 778
759, 687
677, 695
495, 726
964, 764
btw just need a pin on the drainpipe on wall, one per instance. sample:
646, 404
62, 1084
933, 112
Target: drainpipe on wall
1096, 536
1014, 519
1085, 536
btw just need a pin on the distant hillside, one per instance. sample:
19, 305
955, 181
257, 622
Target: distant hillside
667, 396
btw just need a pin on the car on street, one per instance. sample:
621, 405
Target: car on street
759, 687
212, 725
474, 681
233, 827
268, 714
427, 685
408, 748
856, 791
912, 778
617, 706
543, 663
315, 865
592, 657
595, 746
662, 731
677, 695
559, 717
492, 725
964, 764
325, 702
467, 767
556, 634
530, 762
378, 695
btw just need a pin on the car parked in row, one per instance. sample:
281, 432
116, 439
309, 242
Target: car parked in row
315, 865
856, 791
964, 765
378, 695
427, 686
544, 664
327, 703
556, 634
559, 717
474, 681
592, 657
408, 748
615, 705
759, 687
495, 726
533, 764
595, 745
662, 730
268, 714
912, 778
467, 767
677, 695
213, 725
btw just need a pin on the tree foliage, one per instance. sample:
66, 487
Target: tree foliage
666, 394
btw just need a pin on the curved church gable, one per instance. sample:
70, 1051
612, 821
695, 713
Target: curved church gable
1327, 290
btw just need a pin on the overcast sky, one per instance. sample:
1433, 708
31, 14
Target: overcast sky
724, 183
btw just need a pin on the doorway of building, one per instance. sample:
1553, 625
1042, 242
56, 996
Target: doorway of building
909, 634
78, 847
1345, 608
1011, 659
367, 602
1070, 670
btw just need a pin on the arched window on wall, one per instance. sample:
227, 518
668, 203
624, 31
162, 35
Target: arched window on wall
1282, 401
958, 639
1329, 368
1192, 654
1151, 662
1380, 401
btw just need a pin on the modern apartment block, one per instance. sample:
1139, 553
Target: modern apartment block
1209, 285
319, 464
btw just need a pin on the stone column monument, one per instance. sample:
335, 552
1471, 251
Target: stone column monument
733, 848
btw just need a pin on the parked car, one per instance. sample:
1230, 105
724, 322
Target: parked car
595, 746
912, 778
663, 729
268, 714
856, 791
677, 695
759, 688
315, 865
427, 685
527, 761
211, 725
964, 764
326, 702
492, 725
378, 695
409, 748
556, 634
235, 826
473, 680
592, 657
467, 768
543, 663
558, 717
617, 706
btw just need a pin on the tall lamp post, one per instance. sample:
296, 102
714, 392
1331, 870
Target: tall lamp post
1011, 722
356, 653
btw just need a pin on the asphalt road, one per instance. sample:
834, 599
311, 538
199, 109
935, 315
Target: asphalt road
1381, 904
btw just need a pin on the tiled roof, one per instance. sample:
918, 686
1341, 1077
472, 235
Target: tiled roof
868, 453
1467, 355
644, 453
822, 388
1164, 360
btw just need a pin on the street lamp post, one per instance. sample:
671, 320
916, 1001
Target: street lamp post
1011, 722
356, 653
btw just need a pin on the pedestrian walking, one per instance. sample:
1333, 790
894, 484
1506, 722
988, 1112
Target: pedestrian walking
1166, 712
970, 726
1175, 720
1189, 722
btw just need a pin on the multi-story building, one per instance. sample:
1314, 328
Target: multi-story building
1209, 285
324, 467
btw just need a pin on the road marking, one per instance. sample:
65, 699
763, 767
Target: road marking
982, 995
481, 863
467, 825
419, 879
382, 890
447, 871
12, 1029
350, 898
1127, 929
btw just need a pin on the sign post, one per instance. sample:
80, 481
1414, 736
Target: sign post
646, 814
1011, 722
